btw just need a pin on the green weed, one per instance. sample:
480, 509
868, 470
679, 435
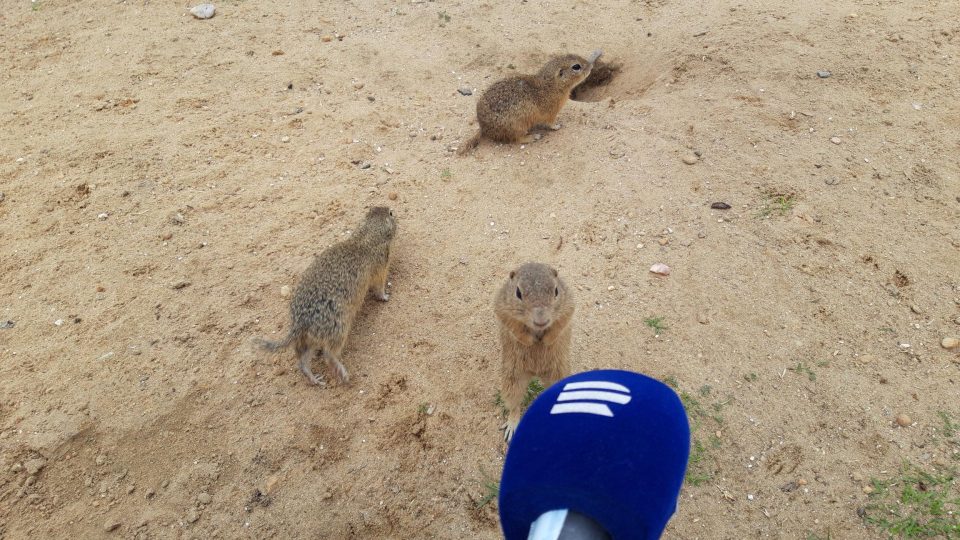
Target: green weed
916, 504
656, 323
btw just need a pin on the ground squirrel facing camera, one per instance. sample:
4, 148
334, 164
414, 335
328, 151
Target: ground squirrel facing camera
331, 291
511, 107
534, 308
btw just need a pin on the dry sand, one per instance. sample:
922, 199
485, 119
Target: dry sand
163, 177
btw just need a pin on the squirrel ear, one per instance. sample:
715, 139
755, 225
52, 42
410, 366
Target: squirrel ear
561, 73
512, 274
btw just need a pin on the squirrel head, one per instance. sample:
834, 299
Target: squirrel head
569, 70
379, 225
533, 294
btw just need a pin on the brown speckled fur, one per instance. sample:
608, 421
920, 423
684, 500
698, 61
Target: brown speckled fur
331, 291
511, 107
529, 350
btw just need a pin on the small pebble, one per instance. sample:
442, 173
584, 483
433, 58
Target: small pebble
102, 216
326, 39
393, 196
7, 324
465, 91
801, 482
916, 309
192, 515
58, 322
178, 219
703, 318
203, 11
111, 526
720, 206
204, 498
180, 285
285, 139
271, 484
903, 420
690, 159
166, 236
34, 466
285, 291
663, 241
823, 74
17, 467
950, 343
835, 140
868, 489
660, 269
2, 196
867, 358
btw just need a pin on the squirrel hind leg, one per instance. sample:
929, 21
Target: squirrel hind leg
336, 366
306, 358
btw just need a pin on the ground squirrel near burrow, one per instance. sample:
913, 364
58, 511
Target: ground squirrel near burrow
511, 107
331, 291
535, 309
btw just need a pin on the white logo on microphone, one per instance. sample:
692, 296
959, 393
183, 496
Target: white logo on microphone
581, 397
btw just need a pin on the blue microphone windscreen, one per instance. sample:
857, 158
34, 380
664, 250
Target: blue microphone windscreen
610, 444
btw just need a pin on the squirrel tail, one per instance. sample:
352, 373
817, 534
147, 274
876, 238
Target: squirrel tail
274, 346
470, 144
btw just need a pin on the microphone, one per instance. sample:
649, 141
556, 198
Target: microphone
600, 454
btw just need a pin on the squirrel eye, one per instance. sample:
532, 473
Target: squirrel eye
520, 296
556, 291
576, 67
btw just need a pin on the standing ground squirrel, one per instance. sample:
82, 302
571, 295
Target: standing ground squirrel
333, 288
534, 308
511, 107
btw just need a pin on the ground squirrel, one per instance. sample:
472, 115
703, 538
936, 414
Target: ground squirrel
511, 107
534, 308
333, 288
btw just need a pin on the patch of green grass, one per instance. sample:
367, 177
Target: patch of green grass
490, 490
533, 390
705, 390
446, 174
498, 401
656, 323
750, 377
801, 369
444, 18
950, 427
702, 420
422, 408
671, 381
916, 504
778, 204
35, 5
511, 66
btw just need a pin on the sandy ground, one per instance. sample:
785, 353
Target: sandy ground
163, 177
